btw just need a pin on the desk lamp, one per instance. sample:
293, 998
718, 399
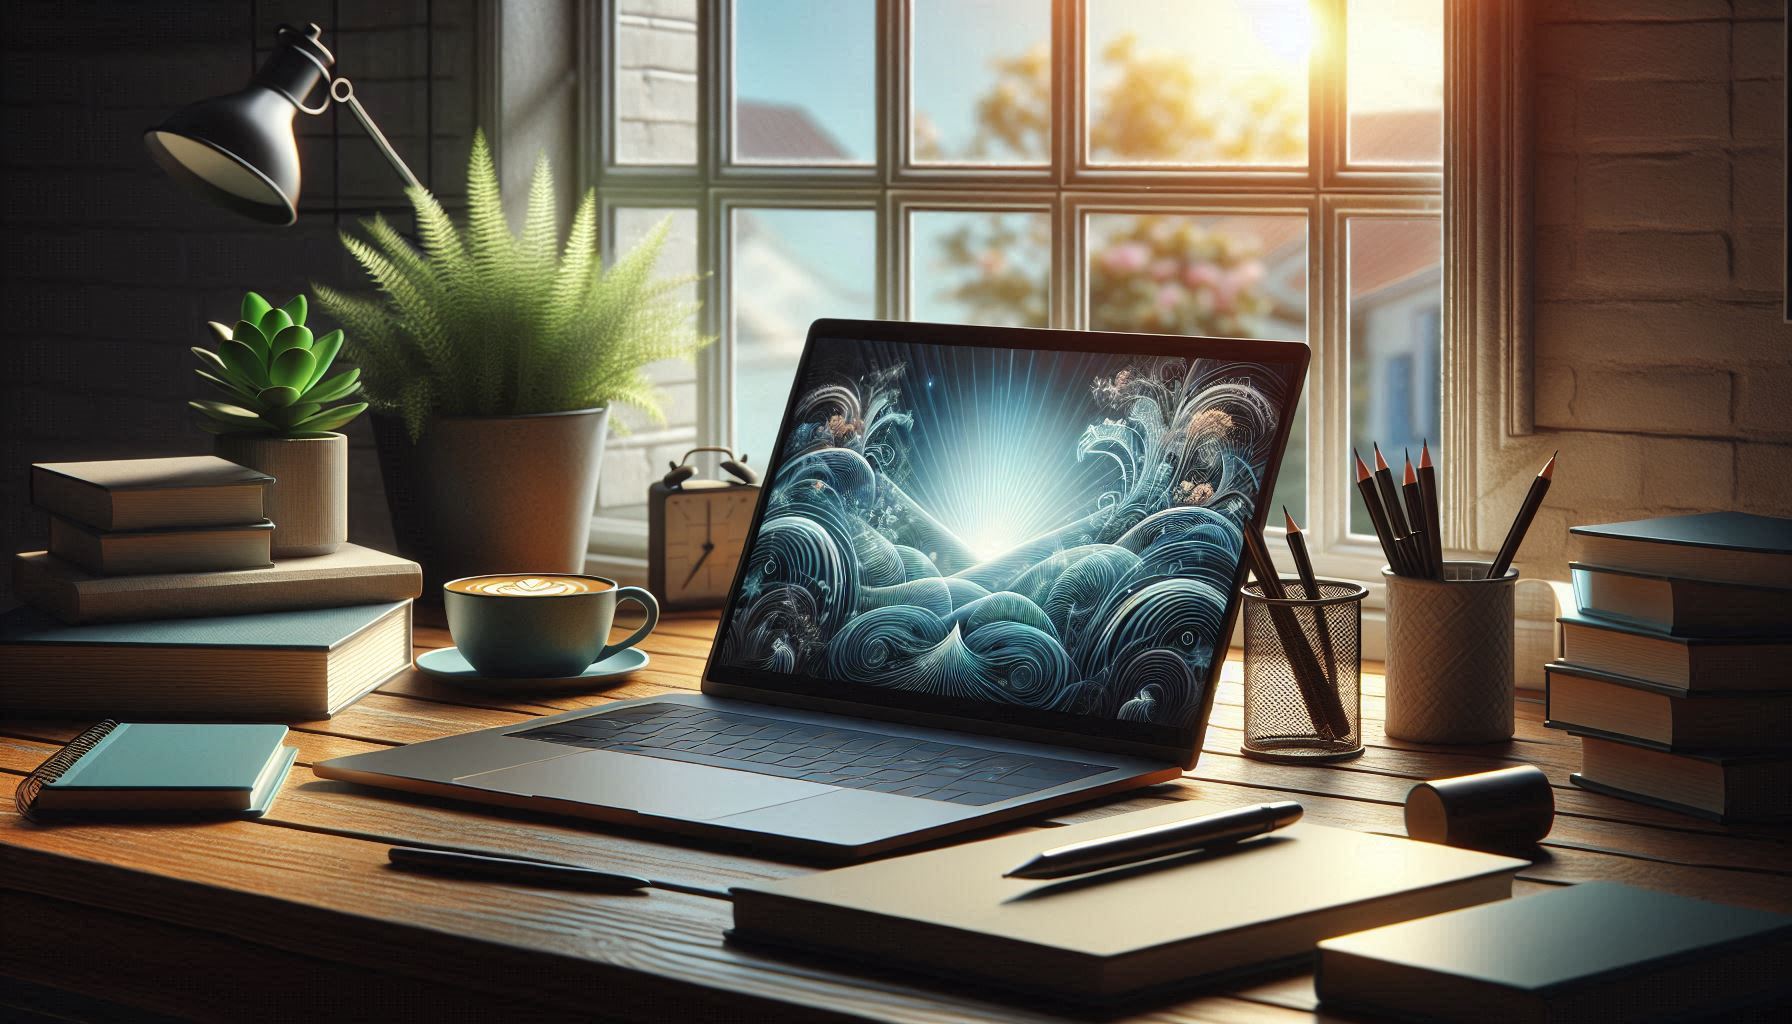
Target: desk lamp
238, 150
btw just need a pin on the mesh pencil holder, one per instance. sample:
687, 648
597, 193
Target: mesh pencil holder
1303, 673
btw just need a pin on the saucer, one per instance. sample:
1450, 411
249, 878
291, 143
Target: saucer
449, 665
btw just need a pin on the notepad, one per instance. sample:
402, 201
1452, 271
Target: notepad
141, 767
1112, 935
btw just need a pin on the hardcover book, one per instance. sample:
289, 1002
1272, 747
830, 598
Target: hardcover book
150, 494
1681, 606
1687, 664
1730, 547
1583, 700
1722, 787
274, 666
350, 575
1598, 951
181, 549
1095, 939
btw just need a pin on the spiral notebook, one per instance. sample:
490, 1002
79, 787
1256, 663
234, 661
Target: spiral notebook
132, 768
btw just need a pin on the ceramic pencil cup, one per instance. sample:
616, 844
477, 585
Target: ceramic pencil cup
1449, 665
1303, 673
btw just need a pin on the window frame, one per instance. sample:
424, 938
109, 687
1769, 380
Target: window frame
1480, 192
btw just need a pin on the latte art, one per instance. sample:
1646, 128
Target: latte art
529, 586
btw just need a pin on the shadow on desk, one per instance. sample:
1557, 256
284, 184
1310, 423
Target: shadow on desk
492, 814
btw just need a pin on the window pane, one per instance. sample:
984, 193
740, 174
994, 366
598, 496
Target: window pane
629, 460
1396, 340
1395, 81
1227, 276
788, 268
1198, 81
982, 82
656, 81
980, 268
804, 86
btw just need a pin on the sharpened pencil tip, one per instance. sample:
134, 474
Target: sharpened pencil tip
1362, 468
1409, 477
1380, 463
1293, 527
1424, 454
1548, 471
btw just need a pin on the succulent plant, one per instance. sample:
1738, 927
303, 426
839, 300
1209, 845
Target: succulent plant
272, 369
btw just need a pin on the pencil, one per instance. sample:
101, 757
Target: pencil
1428, 488
1308, 676
1390, 495
1522, 523
1303, 564
1415, 514
1397, 524
1377, 516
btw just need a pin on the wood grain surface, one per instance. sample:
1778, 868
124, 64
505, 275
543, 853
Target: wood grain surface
298, 915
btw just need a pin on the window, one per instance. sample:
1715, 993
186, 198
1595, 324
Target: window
1247, 168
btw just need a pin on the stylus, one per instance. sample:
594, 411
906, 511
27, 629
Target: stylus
532, 872
1160, 841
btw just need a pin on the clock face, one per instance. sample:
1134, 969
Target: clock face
706, 531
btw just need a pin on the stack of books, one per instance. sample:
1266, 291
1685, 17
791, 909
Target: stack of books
157, 598
1676, 668
137, 516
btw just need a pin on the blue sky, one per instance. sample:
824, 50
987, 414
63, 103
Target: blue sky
820, 55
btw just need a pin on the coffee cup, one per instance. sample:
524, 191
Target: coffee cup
542, 626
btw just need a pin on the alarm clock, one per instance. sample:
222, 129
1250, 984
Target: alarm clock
697, 530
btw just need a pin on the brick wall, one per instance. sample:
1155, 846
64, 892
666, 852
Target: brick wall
656, 81
110, 271
1664, 367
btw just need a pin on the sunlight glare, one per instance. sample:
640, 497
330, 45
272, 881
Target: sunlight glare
1284, 27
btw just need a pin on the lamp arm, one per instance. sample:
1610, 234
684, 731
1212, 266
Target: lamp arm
343, 91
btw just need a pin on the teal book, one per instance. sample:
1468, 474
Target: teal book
1721, 547
150, 768
284, 666
1598, 951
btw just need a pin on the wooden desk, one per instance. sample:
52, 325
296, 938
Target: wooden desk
297, 914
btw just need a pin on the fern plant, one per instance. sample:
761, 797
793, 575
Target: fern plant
272, 369
481, 322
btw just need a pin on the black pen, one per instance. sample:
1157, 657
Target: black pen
1160, 840
532, 872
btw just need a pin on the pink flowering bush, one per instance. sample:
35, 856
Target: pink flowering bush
1166, 274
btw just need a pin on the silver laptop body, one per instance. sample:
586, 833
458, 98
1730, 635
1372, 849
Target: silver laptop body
942, 618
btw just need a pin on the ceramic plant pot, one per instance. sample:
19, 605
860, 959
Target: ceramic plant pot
479, 495
308, 500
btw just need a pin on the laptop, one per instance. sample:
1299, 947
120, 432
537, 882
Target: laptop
992, 572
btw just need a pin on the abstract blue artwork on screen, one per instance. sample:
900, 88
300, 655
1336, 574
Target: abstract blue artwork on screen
1050, 530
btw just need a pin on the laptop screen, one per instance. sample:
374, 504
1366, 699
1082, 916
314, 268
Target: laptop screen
1039, 535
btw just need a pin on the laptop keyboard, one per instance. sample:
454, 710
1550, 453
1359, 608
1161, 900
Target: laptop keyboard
849, 758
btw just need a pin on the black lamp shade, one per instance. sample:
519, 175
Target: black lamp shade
238, 150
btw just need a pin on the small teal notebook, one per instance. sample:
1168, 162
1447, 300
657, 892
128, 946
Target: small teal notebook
133, 768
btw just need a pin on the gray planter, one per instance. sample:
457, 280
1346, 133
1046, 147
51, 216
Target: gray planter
308, 500
493, 494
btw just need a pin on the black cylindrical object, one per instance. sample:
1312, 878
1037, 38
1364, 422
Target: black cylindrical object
1509, 809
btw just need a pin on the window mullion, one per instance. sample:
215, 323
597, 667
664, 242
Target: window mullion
1067, 126
891, 104
1327, 469
715, 365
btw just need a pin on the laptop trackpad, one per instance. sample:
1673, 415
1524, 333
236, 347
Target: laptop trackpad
646, 785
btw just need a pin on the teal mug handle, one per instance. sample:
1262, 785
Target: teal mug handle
647, 602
